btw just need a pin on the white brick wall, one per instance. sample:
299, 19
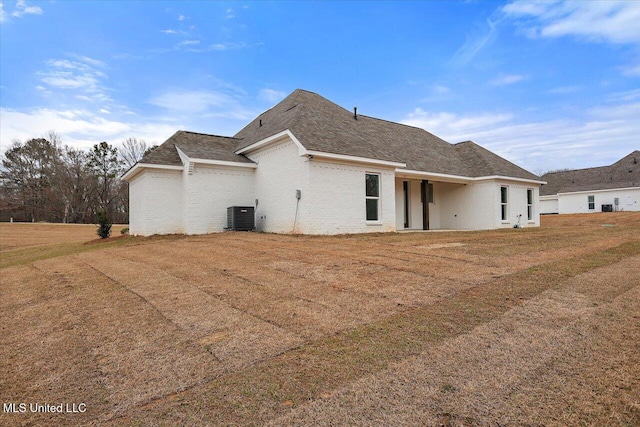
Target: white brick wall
332, 194
155, 203
338, 205
210, 190
477, 206
281, 171
195, 200
629, 200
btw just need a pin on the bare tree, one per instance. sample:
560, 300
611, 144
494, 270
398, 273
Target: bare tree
131, 151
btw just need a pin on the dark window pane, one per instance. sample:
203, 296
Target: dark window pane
503, 194
530, 212
373, 185
372, 210
504, 212
530, 197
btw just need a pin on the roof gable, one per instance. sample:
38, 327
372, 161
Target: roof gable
196, 146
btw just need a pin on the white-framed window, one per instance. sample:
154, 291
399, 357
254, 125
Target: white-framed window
591, 201
372, 196
530, 204
504, 202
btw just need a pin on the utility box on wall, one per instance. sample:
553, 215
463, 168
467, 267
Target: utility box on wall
240, 218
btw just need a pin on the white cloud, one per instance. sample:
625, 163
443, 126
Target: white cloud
271, 95
597, 21
507, 79
3, 14
603, 135
23, 9
229, 14
78, 128
81, 75
181, 17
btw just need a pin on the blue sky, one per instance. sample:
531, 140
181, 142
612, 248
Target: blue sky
546, 85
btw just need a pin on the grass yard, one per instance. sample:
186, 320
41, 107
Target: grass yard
506, 327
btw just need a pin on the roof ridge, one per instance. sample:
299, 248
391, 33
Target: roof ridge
208, 134
581, 169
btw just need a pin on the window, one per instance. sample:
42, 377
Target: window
591, 200
504, 202
430, 188
373, 196
529, 204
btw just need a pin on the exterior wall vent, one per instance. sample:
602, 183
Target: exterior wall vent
240, 218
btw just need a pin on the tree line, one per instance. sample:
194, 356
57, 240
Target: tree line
42, 180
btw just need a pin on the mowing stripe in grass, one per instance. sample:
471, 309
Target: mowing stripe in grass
272, 387
28, 255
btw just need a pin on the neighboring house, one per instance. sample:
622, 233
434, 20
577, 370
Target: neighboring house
309, 166
606, 188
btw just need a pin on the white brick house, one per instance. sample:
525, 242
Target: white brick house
310, 166
615, 187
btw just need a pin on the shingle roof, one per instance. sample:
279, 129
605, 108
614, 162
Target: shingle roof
321, 125
195, 145
622, 174
482, 162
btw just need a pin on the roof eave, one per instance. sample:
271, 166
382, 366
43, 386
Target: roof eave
139, 167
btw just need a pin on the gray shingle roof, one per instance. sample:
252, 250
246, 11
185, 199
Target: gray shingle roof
321, 125
195, 145
482, 162
622, 174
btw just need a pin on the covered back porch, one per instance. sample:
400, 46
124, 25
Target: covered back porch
412, 189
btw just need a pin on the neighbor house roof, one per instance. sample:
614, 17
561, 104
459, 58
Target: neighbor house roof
624, 173
323, 126
196, 146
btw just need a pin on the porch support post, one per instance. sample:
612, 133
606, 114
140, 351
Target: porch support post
424, 195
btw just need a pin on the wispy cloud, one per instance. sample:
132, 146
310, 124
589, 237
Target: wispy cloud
546, 144
563, 90
229, 14
23, 9
454, 126
3, 14
482, 37
202, 103
189, 42
631, 70
181, 17
271, 95
507, 79
596, 21
82, 75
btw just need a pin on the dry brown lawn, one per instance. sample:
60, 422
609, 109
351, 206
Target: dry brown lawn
506, 327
